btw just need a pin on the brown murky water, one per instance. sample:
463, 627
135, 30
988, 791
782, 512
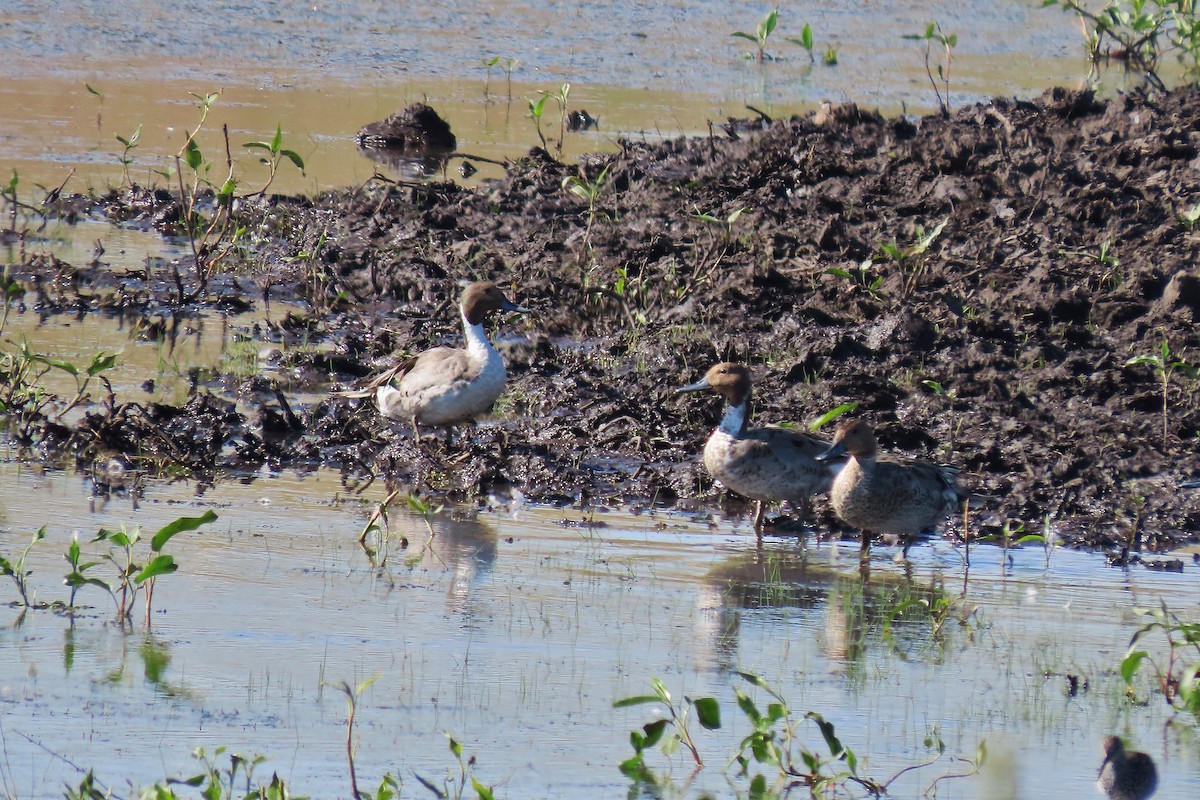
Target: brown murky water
515, 630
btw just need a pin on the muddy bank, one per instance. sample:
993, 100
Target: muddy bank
977, 284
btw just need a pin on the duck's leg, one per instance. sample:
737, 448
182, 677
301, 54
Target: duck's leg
759, 513
416, 430
865, 542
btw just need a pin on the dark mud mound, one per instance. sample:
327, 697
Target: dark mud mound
982, 285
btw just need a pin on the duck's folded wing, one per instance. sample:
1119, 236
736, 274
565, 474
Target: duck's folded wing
384, 378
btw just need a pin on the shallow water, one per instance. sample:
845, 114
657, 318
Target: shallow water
323, 70
515, 631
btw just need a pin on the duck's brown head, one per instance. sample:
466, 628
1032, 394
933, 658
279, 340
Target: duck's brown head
481, 299
853, 437
730, 380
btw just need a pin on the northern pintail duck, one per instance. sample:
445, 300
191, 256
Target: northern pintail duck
1126, 776
763, 464
445, 385
893, 497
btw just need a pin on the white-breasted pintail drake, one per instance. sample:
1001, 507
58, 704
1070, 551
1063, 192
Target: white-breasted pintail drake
445, 385
894, 497
763, 464
1126, 776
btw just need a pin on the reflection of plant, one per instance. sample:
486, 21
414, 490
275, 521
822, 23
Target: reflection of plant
1179, 678
16, 569
762, 33
1164, 364
933, 35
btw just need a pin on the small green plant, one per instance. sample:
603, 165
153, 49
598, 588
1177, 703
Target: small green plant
831, 56
902, 256
933, 35
588, 192
453, 785
276, 152
708, 713
537, 108
128, 144
488, 63
101, 362
133, 576
1164, 365
806, 41
16, 569
865, 278
1190, 218
1178, 678
77, 578
765, 28
389, 786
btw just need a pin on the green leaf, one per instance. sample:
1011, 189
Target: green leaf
257, 145
839, 272
294, 157
1129, 666
484, 792
277, 141
101, 362
159, 565
743, 35
708, 711
769, 23
180, 525
654, 732
831, 415
88, 86
660, 689
192, 156
636, 701
806, 37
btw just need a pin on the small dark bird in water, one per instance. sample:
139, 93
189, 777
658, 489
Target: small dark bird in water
1126, 776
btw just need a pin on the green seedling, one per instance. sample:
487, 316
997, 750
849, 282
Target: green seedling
832, 414
132, 576
864, 278
10, 196
1164, 365
708, 713
914, 253
537, 108
453, 786
933, 35
1139, 33
488, 63
77, 578
100, 110
509, 65
831, 56
101, 362
806, 41
765, 28
1190, 218
16, 569
275, 155
389, 787
128, 145
588, 192
1178, 678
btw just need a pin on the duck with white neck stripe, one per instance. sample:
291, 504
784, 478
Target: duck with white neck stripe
764, 464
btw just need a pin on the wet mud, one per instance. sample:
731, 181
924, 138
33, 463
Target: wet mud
978, 284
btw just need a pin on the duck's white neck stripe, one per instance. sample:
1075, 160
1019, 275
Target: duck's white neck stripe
734, 420
476, 336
